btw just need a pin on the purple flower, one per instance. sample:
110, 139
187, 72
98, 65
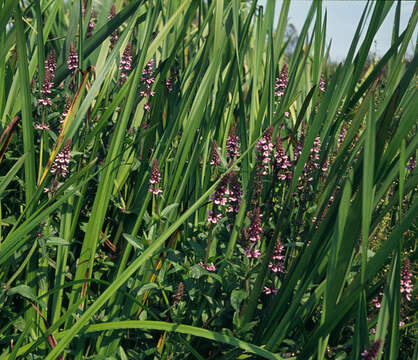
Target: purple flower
219, 196
90, 26
41, 127
72, 61
53, 187
281, 82
210, 267
412, 163
44, 102
264, 149
311, 164
322, 83
281, 161
234, 193
65, 112
61, 164
114, 36
214, 216
341, 136
269, 291
147, 80
169, 84
255, 229
406, 283
155, 179
232, 145
373, 351
51, 63
215, 159
48, 83
125, 63
255, 254
276, 264
376, 300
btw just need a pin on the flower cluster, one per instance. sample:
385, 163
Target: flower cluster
406, 290
318, 222
155, 179
125, 63
169, 84
232, 145
341, 136
65, 112
276, 264
114, 36
41, 127
61, 164
234, 193
297, 150
264, 149
376, 300
282, 163
412, 164
269, 291
215, 159
219, 197
406, 282
281, 83
53, 187
322, 83
255, 229
311, 165
254, 233
47, 84
72, 61
90, 26
209, 267
373, 351
51, 63
227, 194
147, 80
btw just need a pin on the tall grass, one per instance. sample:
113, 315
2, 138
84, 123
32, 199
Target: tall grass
175, 185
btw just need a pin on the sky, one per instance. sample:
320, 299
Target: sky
342, 19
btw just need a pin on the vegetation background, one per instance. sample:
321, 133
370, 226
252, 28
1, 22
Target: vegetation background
184, 180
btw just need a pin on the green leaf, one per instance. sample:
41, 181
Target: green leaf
136, 243
237, 297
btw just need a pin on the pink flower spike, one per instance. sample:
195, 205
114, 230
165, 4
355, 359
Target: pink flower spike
155, 179
114, 36
322, 83
61, 164
210, 267
41, 127
373, 351
72, 61
281, 82
232, 145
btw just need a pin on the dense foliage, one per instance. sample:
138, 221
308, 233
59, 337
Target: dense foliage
177, 184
